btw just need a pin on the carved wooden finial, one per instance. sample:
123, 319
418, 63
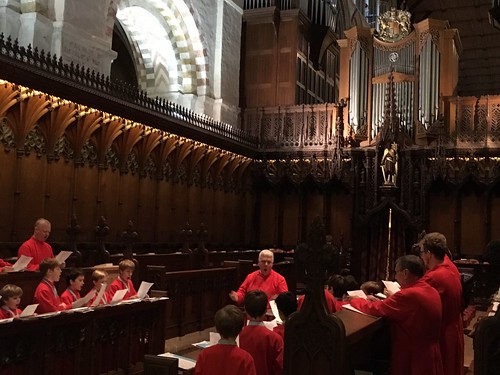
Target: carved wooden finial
314, 340
129, 237
186, 234
73, 230
101, 232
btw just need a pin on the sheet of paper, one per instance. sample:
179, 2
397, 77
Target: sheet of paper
84, 300
203, 344
352, 308
63, 255
29, 310
100, 295
381, 296
118, 296
274, 309
184, 362
21, 263
213, 337
391, 286
271, 324
356, 293
144, 289
494, 308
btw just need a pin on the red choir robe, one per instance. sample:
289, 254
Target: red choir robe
6, 313
4, 264
104, 300
331, 303
119, 284
265, 346
280, 330
36, 249
445, 278
272, 285
47, 298
415, 315
69, 296
224, 359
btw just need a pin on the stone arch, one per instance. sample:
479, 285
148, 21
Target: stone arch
167, 46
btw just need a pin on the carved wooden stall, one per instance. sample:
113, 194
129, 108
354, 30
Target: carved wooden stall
104, 341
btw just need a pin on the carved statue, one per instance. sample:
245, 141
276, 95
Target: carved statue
389, 164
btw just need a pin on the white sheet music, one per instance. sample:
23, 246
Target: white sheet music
118, 296
84, 300
274, 309
184, 362
356, 293
22, 263
29, 310
144, 289
99, 295
392, 286
62, 256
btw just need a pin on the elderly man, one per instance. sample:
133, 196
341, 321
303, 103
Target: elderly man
444, 276
36, 247
415, 316
265, 279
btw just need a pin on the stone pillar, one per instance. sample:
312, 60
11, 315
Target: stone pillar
74, 44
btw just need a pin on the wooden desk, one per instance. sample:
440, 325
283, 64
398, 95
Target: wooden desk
102, 341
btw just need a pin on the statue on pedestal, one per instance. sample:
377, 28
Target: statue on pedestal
389, 164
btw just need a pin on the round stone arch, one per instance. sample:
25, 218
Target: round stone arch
167, 48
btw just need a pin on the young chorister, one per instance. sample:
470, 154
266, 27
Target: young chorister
75, 280
99, 278
11, 298
46, 293
125, 271
264, 345
225, 358
286, 304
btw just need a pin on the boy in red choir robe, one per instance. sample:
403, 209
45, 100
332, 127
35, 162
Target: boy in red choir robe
286, 304
99, 278
264, 345
444, 276
415, 316
5, 266
226, 358
46, 293
75, 280
125, 271
11, 298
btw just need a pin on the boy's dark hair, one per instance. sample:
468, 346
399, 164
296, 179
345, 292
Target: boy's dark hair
73, 274
256, 303
286, 303
338, 285
48, 264
372, 287
229, 321
351, 283
9, 291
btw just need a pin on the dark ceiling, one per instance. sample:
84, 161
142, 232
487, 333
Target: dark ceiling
480, 59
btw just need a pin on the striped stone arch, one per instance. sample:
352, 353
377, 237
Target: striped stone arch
166, 45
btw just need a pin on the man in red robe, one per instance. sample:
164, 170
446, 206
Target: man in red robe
265, 279
36, 247
415, 316
444, 276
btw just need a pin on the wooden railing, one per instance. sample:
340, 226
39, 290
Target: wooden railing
50, 67
107, 340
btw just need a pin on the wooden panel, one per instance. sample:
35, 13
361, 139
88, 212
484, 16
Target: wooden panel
314, 207
341, 218
84, 202
102, 341
166, 218
8, 163
59, 197
267, 219
495, 213
473, 229
441, 216
146, 207
291, 227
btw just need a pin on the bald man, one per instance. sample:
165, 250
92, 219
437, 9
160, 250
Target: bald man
37, 247
265, 279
